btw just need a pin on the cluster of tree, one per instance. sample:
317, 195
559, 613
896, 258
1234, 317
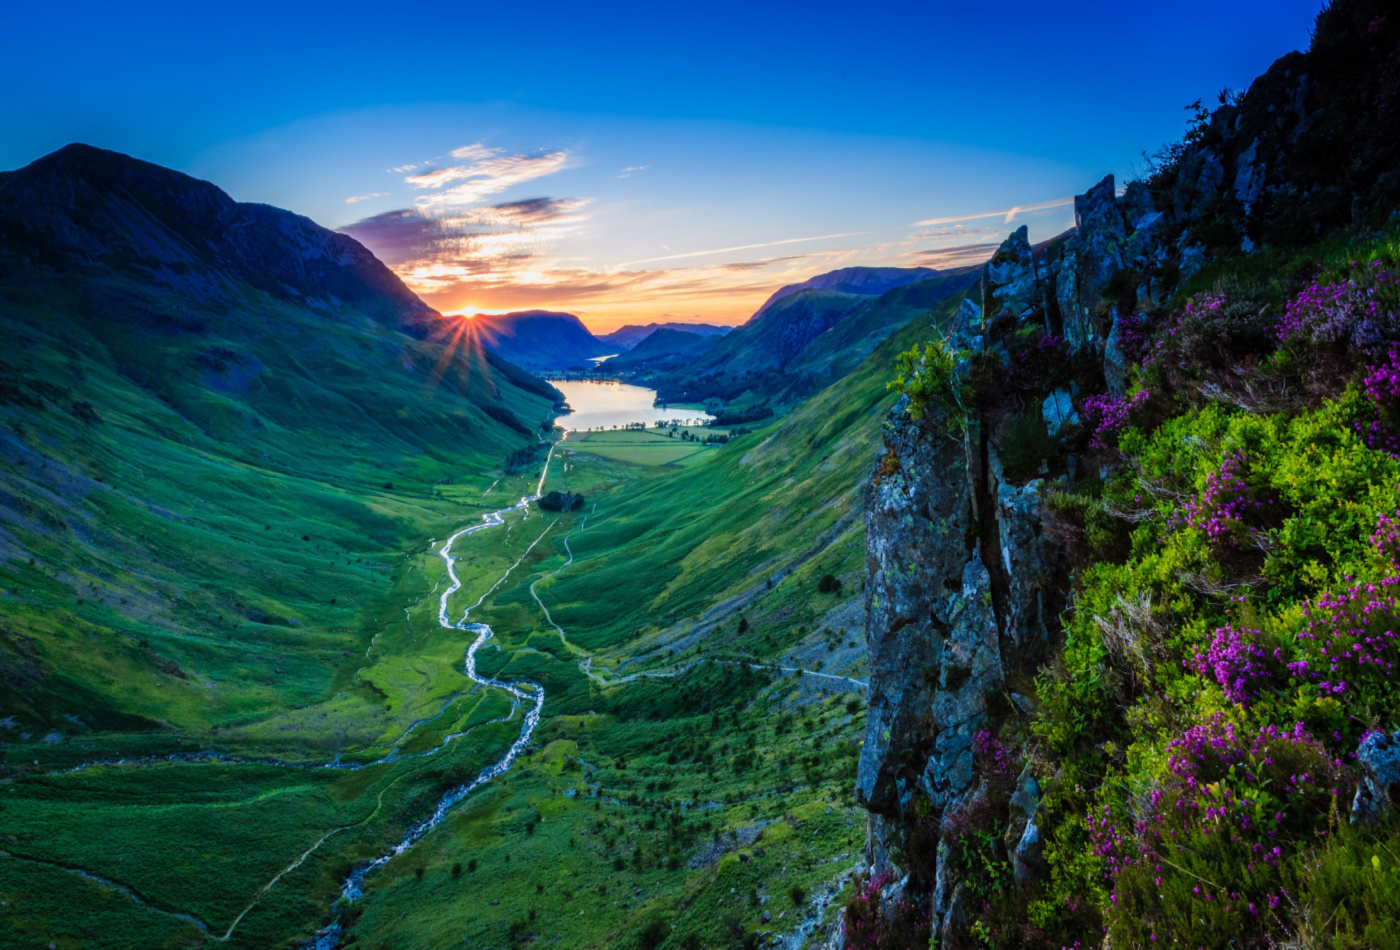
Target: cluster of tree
732, 417
561, 501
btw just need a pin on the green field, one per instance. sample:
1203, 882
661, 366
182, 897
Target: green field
639, 446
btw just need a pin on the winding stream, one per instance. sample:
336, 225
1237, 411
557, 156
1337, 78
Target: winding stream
523, 691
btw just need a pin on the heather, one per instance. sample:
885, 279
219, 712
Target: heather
1220, 668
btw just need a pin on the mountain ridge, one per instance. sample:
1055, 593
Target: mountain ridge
865, 281
628, 336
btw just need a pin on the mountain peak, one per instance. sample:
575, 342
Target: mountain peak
83, 207
866, 281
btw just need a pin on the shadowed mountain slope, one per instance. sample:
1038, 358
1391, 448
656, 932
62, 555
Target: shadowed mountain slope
802, 342
866, 281
663, 349
218, 424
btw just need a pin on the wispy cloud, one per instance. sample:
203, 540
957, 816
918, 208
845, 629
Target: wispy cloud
484, 172
358, 198
1007, 214
741, 247
512, 230
628, 171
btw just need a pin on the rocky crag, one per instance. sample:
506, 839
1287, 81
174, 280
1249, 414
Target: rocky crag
967, 582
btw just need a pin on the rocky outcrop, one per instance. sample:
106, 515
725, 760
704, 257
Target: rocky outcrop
915, 565
964, 585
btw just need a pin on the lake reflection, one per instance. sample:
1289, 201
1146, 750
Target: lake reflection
603, 405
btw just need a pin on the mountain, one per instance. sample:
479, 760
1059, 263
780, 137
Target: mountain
84, 207
624, 338
205, 405
801, 342
865, 281
537, 339
663, 349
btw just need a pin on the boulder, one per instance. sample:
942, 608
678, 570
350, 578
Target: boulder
1025, 557
1022, 834
1378, 790
1115, 361
1058, 411
1010, 284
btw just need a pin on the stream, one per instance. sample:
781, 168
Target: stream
523, 691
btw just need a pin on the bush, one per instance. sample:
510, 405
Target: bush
829, 584
930, 378
1215, 853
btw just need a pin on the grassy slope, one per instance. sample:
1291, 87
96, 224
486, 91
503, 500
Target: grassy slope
210, 544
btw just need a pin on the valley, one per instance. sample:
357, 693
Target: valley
703, 534
328, 749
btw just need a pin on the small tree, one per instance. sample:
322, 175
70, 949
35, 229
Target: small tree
930, 378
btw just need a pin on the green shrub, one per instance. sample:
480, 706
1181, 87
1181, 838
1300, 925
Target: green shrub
930, 378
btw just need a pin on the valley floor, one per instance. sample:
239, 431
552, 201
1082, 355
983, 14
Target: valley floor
689, 774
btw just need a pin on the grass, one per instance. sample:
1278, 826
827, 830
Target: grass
638, 446
284, 610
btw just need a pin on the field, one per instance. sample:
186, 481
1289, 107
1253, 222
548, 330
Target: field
639, 446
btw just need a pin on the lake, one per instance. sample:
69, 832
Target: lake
602, 405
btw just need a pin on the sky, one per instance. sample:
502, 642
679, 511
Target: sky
632, 163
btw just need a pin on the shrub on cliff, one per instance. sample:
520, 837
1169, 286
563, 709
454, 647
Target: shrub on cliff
929, 377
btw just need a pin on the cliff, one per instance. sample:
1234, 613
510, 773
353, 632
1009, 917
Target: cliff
1032, 639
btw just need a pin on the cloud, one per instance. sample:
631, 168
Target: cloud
949, 258
1007, 213
627, 172
510, 231
741, 247
401, 169
358, 198
486, 172
531, 212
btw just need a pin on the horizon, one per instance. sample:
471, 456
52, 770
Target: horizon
690, 197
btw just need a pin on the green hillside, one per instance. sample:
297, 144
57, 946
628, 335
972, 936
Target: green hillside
692, 589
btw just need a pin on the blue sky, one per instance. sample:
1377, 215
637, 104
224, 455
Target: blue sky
630, 162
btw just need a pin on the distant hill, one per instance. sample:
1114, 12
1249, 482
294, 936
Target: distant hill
866, 281
801, 342
624, 338
663, 349
538, 340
